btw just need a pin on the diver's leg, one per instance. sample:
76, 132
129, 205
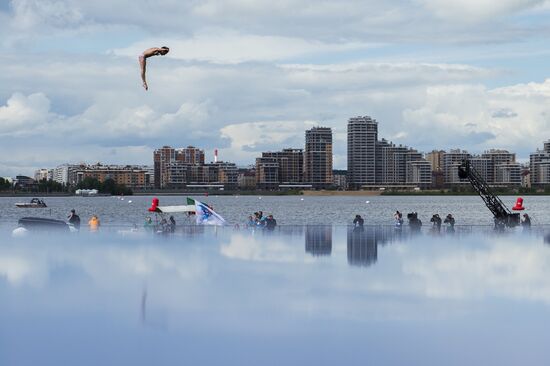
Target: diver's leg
143, 66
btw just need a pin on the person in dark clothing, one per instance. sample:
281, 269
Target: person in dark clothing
436, 223
74, 219
526, 222
358, 221
415, 224
270, 223
450, 220
172, 224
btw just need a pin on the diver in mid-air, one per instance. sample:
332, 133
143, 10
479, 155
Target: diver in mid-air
155, 51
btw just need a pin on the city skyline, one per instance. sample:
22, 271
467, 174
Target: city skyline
374, 163
31, 170
435, 74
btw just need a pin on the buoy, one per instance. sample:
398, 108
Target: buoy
130, 201
301, 199
367, 201
519, 205
154, 205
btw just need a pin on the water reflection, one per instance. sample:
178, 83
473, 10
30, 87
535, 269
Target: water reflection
318, 239
250, 295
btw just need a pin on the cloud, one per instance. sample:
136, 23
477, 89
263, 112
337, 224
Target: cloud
504, 113
468, 11
221, 46
507, 271
22, 114
36, 13
463, 115
244, 109
296, 23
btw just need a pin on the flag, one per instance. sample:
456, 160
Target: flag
205, 215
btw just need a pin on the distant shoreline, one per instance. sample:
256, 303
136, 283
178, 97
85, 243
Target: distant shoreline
320, 193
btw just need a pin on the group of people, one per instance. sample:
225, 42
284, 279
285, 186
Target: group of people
93, 223
259, 220
415, 224
165, 226
449, 221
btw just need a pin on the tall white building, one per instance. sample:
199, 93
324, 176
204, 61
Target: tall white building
451, 162
362, 140
373, 162
539, 163
497, 158
66, 173
43, 174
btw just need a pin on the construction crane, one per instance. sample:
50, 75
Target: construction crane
502, 215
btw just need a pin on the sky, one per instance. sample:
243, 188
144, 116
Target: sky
246, 76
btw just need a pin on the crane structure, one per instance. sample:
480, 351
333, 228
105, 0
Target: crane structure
502, 215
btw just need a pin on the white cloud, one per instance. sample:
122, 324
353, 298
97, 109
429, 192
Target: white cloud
246, 109
507, 271
463, 115
35, 13
220, 46
22, 114
468, 11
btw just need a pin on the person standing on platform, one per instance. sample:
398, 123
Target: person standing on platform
94, 224
526, 222
74, 219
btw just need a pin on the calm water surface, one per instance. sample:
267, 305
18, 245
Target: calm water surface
318, 295
288, 210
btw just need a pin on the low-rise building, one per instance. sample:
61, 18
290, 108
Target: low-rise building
133, 177
267, 173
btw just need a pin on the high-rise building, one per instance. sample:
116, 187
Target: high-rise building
497, 158
190, 155
171, 166
435, 157
362, 139
539, 164
290, 165
373, 162
267, 173
451, 162
393, 162
162, 159
318, 157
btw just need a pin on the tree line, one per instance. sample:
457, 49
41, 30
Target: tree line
109, 186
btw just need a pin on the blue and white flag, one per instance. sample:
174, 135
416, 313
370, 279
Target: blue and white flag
206, 216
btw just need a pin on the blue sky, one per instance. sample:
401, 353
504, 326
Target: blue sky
245, 76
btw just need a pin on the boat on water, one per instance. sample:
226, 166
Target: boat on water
86, 192
43, 223
34, 203
30, 225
